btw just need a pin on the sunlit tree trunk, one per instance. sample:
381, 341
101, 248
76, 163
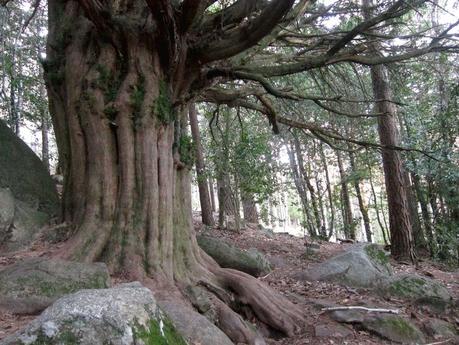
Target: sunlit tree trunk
203, 186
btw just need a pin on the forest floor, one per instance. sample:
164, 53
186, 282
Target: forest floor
288, 254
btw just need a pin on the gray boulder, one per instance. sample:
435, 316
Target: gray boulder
124, 315
252, 261
29, 286
363, 265
25, 175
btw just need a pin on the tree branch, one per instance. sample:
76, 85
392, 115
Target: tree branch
246, 35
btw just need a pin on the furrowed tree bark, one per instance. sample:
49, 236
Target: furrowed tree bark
116, 89
204, 197
402, 244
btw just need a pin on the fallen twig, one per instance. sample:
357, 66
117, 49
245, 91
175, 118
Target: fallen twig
441, 342
369, 310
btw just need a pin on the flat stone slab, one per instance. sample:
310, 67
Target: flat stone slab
388, 326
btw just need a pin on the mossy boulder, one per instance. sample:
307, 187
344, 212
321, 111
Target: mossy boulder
124, 315
31, 285
252, 261
394, 328
440, 329
388, 326
418, 289
25, 175
362, 265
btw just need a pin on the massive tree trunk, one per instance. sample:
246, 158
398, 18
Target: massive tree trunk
116, 105
203, 186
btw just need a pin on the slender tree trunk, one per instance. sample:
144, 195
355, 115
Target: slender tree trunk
212, 194
348, 218
301, 189
358, 192
204, 196
329, 192
307, 181
44, 130
126, 160
375, 201
424, 211
402, 244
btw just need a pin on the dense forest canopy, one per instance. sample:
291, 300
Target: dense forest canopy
337, 120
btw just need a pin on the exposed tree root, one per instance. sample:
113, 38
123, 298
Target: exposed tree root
268, 306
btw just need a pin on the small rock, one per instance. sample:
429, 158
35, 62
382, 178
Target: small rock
31, 285
124, 315
439, 329
348, 316
336, 330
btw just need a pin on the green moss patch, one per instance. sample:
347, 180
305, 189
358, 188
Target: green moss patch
158, 332
162, 106
394, 328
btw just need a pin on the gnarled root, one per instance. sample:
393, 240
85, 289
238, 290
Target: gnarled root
269, 307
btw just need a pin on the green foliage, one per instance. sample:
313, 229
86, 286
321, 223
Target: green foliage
138, 96
108, 82
163, 107
185, 149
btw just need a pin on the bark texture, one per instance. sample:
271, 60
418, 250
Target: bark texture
402, 245
117, 77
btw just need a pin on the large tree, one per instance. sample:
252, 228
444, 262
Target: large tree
120, 76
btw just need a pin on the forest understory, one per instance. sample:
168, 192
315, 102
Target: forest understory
289, 257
